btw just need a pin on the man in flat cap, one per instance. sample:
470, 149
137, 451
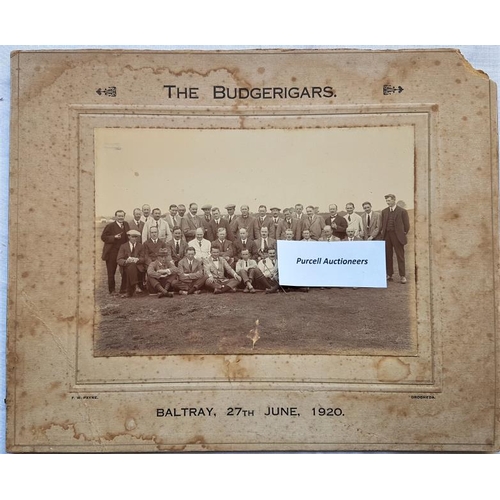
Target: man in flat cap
131, 261
114, 236
247, 221
275, 220
231, 219
162, 274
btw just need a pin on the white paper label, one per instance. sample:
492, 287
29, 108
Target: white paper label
340, 263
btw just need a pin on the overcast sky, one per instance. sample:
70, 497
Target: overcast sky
279, 167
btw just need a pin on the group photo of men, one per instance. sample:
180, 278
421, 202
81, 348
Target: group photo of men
185, 251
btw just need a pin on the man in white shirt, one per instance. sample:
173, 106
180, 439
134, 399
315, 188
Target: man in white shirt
201, 245
269, 268
146, 213
249, 271
220, 277
354, 221
265, 243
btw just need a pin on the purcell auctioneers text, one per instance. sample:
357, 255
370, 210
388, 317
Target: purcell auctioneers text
222, 92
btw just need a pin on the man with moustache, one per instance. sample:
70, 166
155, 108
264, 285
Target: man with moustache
264, 243
351, 235
136, 223
336, 222
114, 235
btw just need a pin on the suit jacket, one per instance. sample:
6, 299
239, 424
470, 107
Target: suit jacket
315, 226
355, 223
273, 228
339, 231
111, 244
205, 224
124, 253
164, 232
176, 257
156, 265
189, 225
185, 274
226, 248
213, 227
401, 223
258, 224
232, 225
249, 245
138, 227
151, 250
248, 224
172, 221
224, 270
374, 228
295, 225
271, 243
356, 238
334, 238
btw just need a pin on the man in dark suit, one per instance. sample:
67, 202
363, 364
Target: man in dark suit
244, 243
215, 223
395, 225
131, 261
262, 220
245, 220
137, 223
114, 236
275, 221
231, 219
336, 222
191, 277
289, 222
152, 245
264, 243
226, 250
177, 246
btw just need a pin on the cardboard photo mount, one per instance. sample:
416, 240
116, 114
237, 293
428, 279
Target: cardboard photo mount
441, 396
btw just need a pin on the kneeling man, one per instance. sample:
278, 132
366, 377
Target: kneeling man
191, 277
217, 271
162, 274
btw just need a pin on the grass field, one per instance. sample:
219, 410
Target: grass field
332, 320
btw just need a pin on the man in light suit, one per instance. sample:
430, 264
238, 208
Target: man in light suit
220, 277
137, 223
288, 222
314, 223
250, 273
371, 222
172, 217
191, 222
191, 277
146, 213
201, 246
395, 225
156, 221
177, 246
353, 220
264, 243
131, 261
114, 235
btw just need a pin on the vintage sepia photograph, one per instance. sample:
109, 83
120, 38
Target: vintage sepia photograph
187, 224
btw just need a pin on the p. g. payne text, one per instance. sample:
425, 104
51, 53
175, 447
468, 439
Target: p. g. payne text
185, 412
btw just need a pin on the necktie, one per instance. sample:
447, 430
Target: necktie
265, 246
273, 261
310, 218
133, 247
177, 247
349, 218
199, 242
368, 220
190, 267
156, 223
246, 263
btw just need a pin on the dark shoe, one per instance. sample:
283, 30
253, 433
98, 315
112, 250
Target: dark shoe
389, 278
272, 290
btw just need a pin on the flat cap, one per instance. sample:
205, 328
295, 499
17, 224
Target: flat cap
133, 232
276, 208
231, 205
163, 251
206, 207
